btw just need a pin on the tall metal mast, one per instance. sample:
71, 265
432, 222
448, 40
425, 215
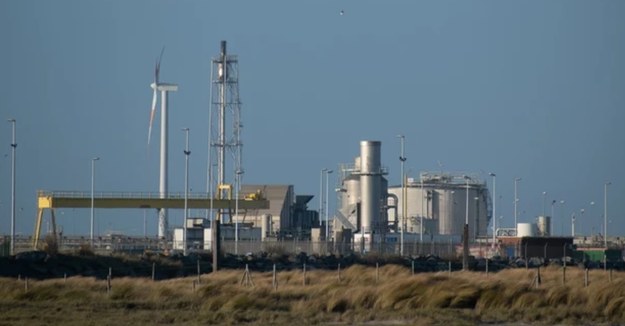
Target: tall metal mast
224, 102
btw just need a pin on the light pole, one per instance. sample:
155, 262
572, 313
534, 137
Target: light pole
551, 229
573, 224
321, 202
13, 148
465, 240
544, 201
237, 187
605, 214
327, 207
402, 159
516, 202
562, 202
494, 199
581, 215
187, 153
590, 213
92, 196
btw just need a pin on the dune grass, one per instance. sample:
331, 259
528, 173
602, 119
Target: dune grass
394, 296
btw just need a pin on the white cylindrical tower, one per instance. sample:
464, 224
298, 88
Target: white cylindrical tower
370, 184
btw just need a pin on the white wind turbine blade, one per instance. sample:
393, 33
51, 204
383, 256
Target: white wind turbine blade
152, 114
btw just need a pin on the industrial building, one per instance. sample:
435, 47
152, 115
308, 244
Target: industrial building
435, 205
287, 217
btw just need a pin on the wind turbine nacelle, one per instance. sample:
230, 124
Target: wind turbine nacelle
165, 87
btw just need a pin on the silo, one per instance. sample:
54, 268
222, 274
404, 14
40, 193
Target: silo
370, 184
544, 226
266, 226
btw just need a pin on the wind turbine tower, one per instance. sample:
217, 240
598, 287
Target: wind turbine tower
225, 105
164, 88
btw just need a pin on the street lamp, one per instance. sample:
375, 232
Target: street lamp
187, 153
402, 159
605, 214
465, 240
327, 206
92, 196
13, 148
573, 224
494, 200
562, 202
321, 202
516, 201
237, 185
544, 201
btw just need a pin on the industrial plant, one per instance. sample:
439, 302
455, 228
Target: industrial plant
439, 213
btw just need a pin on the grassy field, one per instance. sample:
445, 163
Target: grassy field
362, 296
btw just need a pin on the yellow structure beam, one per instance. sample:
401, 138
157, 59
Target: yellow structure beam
61, 199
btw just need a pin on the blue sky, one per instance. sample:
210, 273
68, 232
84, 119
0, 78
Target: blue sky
530, 89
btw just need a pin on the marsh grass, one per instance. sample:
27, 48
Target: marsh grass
508, 296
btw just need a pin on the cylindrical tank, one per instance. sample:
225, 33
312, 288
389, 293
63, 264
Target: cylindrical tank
525, 230
544, 226
265, 226
370, 184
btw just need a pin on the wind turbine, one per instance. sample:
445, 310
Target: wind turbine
157, 86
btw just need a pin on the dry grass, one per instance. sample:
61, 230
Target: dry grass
360, 297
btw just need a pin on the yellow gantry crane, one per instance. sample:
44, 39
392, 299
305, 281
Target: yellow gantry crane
72, 199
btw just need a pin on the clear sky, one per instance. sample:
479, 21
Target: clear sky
529, 89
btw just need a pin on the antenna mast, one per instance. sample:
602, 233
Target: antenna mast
225, 103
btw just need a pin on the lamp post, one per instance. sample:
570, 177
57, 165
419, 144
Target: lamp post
327, 207
544, 201
573, 224
402, 159
494, 199
187, 152
321, 202
590, 213
237, 187
605, 214
553, 203
13, 148
92, 197
516, 201
562, 202
465, 240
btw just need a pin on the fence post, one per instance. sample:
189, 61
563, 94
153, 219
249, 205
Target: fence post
538, 279
486, 266
108, 281
153, 271
339, 272
563, 274
198, 271
274, 280
449, 267
586, 277
64, 278
413, 267
304, 281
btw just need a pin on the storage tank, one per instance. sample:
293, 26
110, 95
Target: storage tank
544, 226
442, 200
266, 226
525, 230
